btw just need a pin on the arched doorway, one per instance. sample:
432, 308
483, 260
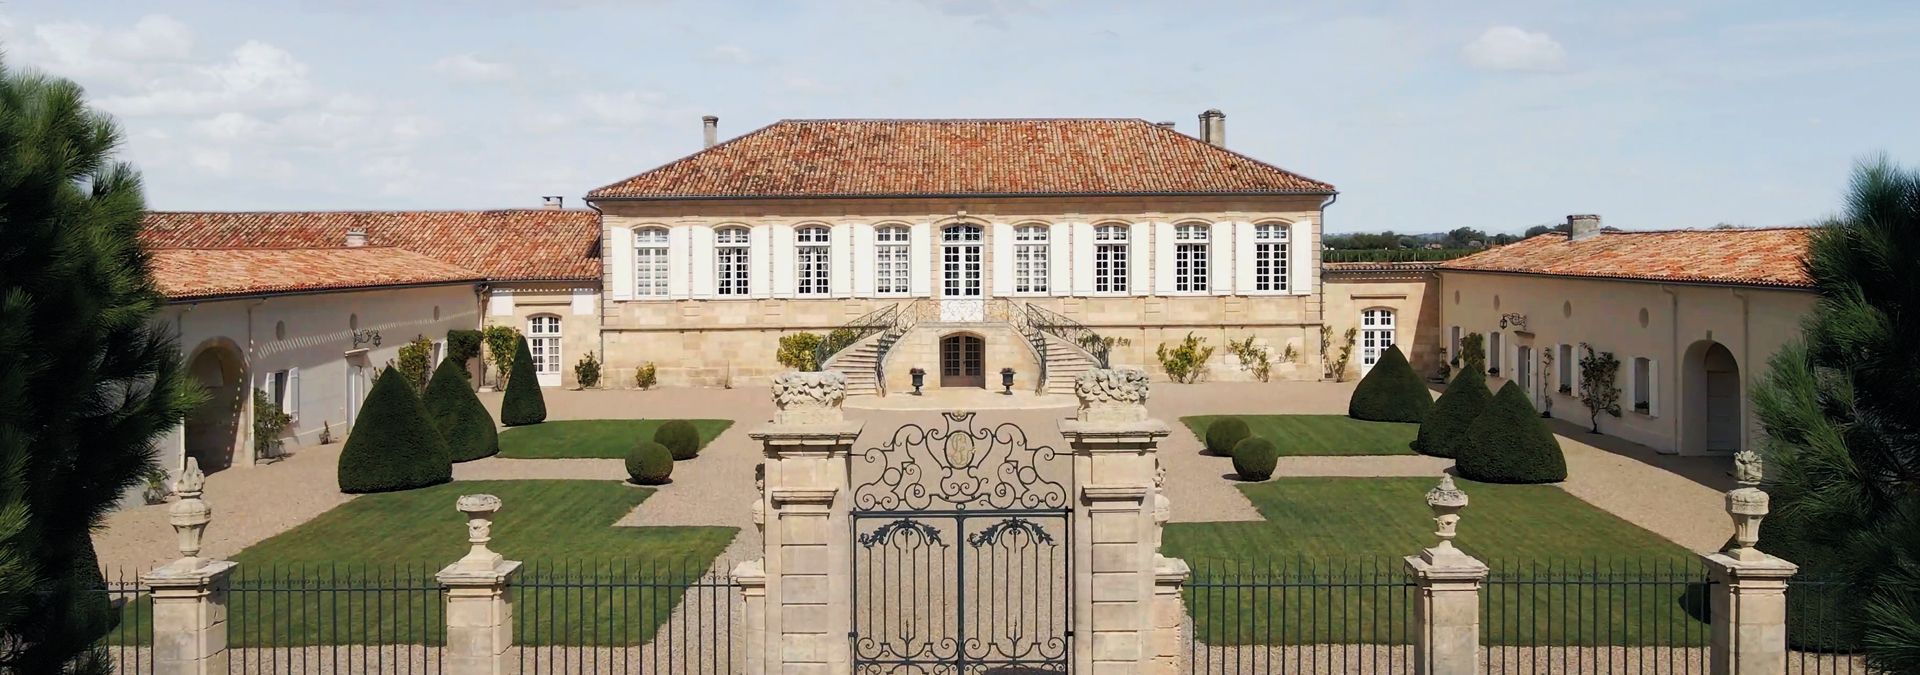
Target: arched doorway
1713, 398
962, 361
214, 431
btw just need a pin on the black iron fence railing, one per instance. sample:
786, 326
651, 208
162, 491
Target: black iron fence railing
852, 332
1300, 616
1824, 630
129, 631
1073, 332
614, 617
1596, 616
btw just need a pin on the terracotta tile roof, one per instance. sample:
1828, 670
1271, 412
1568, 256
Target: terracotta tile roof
1750, 257
502, 245
201, 274
867, 158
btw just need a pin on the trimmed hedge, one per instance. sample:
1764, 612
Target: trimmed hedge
393, 446
680, 438
1509, 444
649, 463
1446, 425
463, 346
1225, 434
1254, 459
1391, 392
457, 414
523, 403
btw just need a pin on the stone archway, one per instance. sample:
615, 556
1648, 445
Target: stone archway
216, 431
1713, 396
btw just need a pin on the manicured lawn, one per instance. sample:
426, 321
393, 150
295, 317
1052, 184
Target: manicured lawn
604, 439
315, 584
1354, 532
1295, 435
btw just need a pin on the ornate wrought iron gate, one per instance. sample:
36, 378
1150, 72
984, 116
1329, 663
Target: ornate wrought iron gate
962, 559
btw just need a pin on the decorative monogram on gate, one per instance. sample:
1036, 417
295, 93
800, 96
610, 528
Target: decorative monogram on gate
961, 466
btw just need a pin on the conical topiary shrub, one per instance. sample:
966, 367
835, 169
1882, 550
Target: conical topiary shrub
523, 403
649, 463
393, 446
1224, 434
680, 437
1446, 424
1391, 392
458, 415
1254, 459
1509, 444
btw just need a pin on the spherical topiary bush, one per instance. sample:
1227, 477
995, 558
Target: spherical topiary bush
1225, 433
649, 463
1254, 459
1445, 428
1391, 392
1509, 444
680, 437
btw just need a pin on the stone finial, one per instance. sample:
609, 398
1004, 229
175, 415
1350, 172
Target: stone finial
479, 510
190, 515
809, 398
1748, 470
1112, 395
1446, 501
1747, 505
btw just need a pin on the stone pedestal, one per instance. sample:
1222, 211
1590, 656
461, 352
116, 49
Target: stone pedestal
190, 616
1168, 640
1749, 614
479, 618
751, 577
805, 508
1446, 615
1115, 532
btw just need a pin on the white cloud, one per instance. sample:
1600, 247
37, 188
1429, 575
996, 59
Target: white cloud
470, 68
256, 76
731, 54
1514, 48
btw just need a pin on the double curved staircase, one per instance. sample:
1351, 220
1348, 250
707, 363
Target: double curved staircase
1062, 347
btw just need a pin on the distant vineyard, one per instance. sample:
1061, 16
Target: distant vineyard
1393, 254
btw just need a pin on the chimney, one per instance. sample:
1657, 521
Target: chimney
1213, 128
1164, 125
710, 129
553, 202
1582, 226
356, 237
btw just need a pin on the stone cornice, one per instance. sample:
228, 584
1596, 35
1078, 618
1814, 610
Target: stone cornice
1114, 493
803, 496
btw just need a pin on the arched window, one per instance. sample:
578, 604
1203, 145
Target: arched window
1270, 257
1190, 258
1030, 259
1376, 333
814, 256
892, 264
543, 342
1110, 259
650, 262
731, 256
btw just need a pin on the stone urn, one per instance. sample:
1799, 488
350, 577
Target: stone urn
809, 398
1112, 395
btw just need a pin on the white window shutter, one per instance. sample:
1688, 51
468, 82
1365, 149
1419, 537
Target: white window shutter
1221, 255
863, 263
1577, 352
292, 407
1243, 262
1060, 260
500, 302
759, 257
1140, 260
700, 241
621, 260
1083, 246
1162, 259
1002, 260
784, 284
681, 260
1653, 388
840, 260
1302, 244
919, 251
584, 300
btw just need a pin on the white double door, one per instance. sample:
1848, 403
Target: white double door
961, 264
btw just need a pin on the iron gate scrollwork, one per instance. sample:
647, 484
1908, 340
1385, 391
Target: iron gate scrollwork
962, 555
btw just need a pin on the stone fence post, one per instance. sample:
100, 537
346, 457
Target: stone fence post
1750, 587
190, 594
1447, 614
797, 613
1123, 588
479, 613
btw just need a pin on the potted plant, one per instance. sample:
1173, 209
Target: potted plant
154, 489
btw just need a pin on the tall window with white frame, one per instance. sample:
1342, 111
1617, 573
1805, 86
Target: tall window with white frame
813, 249
892, 265
1568, 366
1110, 259
1190, 258
650, 263
731, 257
1030, 259
1376, 334
1270, 257
543, 342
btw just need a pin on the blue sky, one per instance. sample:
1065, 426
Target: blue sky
1427, 115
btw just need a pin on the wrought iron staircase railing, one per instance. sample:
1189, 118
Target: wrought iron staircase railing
1097, 348
852, 332
1022, 323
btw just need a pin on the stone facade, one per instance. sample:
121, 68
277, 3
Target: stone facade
577, 306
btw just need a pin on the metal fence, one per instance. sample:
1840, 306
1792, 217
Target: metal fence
1300, 616
1596, 616
1820, 639
131, 615
615, 617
